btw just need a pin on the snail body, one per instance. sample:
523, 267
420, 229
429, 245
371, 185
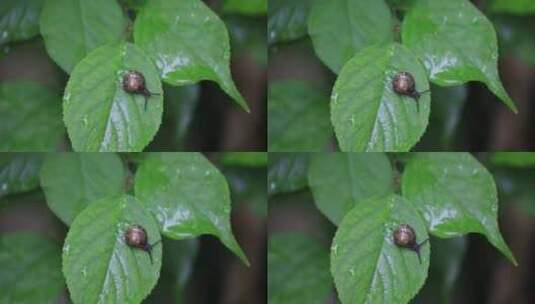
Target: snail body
404, 84
405, 237
136, 237
134, 83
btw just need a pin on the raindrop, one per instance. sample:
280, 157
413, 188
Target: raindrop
352, 272
84, 272
85, 121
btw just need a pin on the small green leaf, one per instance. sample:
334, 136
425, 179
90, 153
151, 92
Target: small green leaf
366, 112
287, 20
340, 181
99, 114
456, 195
188, 42
19, 19
248, 186
298, 267
19, 172
520, 7
287, 172
31, 117
188, 196
31, 269
341, 28
73, 28
298, 117
366, 264
97, 262
513, 159
244, 159
246, 7
456, 43
71, 181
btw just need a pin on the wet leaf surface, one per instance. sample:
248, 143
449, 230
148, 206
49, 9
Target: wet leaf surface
19, 172
97, 262
99, 114
287, 172
188, 196
367, 114
169, 32
455, 195
19, 19
456, 43
287, 20
366, 264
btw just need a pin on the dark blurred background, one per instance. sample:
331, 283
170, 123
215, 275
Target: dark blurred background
196, 271
463, 118
465, 270
196, 118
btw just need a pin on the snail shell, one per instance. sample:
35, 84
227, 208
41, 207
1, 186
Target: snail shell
136, 236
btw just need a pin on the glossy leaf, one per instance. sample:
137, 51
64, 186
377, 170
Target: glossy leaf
188, 196
244, 159
188, 42
366, 112
456, 195
19, 172
520, 7
340, 181
71, 181
287, 20
31, 269
298, 117
287, 172
298, 267
366, 264
97, 262
31, 117
19, 19
513, 159
247, 7
456, 43
99, 114
341, 28
73, 28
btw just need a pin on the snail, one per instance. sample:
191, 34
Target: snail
404, 84
405, 237
134, 83
136, 236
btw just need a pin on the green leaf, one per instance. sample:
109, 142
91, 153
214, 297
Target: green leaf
287, 20
19, 19
513, 159
516, 36
366, 112
99, 114
31, 117
97, 262
287, 172
246, 7
340, 181
248, 37
298, 267
244, 159
71, 181
366, 264
188, 196
188, 42
248, 186
456, 43
19, 172
31, 269
520, 7
456, 195
73, 28
341, 28
298, 117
